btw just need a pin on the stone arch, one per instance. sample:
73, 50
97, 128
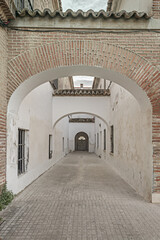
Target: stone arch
90, 113
96, 58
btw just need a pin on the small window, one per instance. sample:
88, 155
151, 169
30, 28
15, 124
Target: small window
23, 152
112, 139
104, 139
97, 140
50, 146
63, 144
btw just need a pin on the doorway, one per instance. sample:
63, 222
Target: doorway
81, 142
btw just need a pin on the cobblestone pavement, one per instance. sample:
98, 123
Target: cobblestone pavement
80, 198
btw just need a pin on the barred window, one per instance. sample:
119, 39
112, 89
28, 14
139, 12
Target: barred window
21, 151
104, 139
50, 146
63, 144
112, 139
97, 140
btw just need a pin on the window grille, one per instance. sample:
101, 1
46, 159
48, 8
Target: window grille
63, 144
97, 140
112, 139
50, 146
21, 151
104, 139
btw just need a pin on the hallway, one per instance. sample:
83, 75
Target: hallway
80, 198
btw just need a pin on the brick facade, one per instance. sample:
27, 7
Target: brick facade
156, 8
3, 103
139, 42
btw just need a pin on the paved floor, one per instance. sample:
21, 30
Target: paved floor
80, 198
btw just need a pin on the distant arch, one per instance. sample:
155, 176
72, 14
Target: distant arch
89, 113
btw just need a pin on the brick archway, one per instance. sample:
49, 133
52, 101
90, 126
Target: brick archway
87, 53
93, 54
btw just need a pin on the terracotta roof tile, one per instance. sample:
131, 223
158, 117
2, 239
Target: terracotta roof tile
82, 92
80, 13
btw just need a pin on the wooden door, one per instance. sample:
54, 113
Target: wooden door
81, 141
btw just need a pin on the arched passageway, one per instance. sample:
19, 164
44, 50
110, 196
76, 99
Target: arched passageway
68, 126
143, 175
81, 142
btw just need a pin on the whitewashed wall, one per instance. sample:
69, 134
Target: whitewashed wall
63, 106
137, 5
132, 156
61, 139
99, 128
35, 116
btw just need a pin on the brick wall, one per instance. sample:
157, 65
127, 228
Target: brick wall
3, 103
156, 8
144, 44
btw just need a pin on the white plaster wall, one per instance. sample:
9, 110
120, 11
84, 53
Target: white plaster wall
75, 128
132, 156
35, 116
99, 128
60, 131
64, 83
137, 5
67, 105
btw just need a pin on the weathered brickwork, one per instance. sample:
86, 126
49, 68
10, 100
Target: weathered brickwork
156, 8
3, 103
145, 44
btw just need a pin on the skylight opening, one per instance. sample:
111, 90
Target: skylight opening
83, 81
84, 5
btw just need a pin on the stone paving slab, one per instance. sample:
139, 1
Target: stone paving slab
80, 198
